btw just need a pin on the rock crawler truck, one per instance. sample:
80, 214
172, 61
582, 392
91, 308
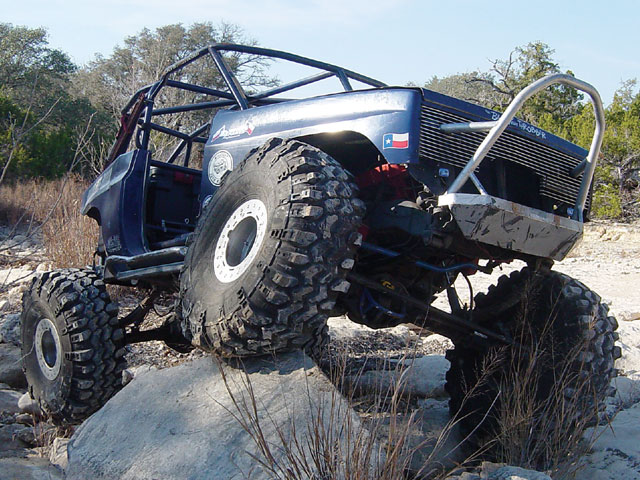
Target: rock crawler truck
366, 202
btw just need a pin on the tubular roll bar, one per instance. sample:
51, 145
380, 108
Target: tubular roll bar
498, 127
236, 96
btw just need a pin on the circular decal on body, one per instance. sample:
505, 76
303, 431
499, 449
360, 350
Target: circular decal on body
220, 163
206, 201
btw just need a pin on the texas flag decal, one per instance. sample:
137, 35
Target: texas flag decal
395, 140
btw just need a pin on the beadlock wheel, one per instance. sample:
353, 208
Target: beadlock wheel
72, 344
48, 348
270, 253
240, 240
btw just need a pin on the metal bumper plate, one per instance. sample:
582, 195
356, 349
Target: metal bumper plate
512, 226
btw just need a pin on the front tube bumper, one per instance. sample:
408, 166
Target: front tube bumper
497, 128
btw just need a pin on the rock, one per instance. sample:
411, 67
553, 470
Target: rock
344, 329
24, 419
615, 453
627, 392
626, 316
9, 401
422, 377
508, 472
10, 329
58, 453
16, 275
19, 239
10, 442
30, 468
428, 434
26, 435
630, 344
28, 405
130, 373
7, 418
182, 422
4, 305
11, 366
463, 476
500, 471
435, 343
404, 333
15, 294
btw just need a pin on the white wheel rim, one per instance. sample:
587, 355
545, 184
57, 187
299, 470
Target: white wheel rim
240, 240
48, 348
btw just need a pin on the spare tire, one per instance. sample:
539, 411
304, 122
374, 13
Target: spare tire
270, 253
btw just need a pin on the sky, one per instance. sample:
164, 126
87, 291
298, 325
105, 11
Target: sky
396, 41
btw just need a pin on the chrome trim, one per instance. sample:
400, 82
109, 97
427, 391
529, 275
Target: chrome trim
466, 127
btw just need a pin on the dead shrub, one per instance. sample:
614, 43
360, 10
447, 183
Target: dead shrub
50, 211
548, 431
380, 446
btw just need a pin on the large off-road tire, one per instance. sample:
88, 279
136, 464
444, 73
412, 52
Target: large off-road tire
72, 345
565, 363
271, 253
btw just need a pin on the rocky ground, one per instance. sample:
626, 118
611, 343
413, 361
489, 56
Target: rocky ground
608, 260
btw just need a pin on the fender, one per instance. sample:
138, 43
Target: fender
363, 118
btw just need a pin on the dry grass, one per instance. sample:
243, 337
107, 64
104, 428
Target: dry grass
336, 444
45, 433
333, 445
549, 431
545, 433
50, 211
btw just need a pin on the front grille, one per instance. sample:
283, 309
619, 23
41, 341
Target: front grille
456, 149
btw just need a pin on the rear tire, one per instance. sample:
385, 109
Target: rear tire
270, 253
72, 345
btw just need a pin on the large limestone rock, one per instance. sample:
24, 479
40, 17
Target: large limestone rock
615, 452
10, 328
11, 366
197, 421
28, 468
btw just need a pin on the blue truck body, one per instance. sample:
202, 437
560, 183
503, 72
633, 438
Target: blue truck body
144, 205
117, 197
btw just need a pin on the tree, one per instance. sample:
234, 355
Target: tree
621, 150
497, 87
40, 117
465, 87
560, 110
25, 56
110, 81
31, 73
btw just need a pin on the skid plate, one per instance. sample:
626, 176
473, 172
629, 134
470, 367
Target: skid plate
508, 225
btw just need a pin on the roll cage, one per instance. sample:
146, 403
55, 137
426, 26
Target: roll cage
139, 111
